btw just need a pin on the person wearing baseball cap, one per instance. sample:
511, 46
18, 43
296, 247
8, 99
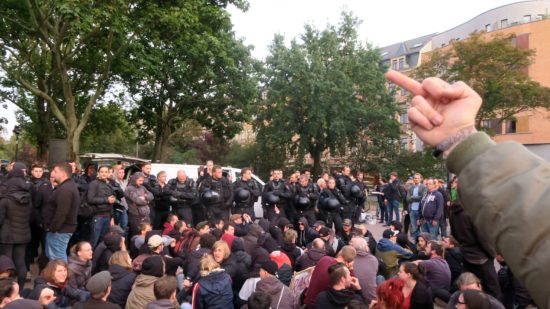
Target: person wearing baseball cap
281, 296
347, 231
391, 253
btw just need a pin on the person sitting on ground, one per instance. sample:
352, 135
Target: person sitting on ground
389, 295
99, 287
113, 243
228, 234
168, 226
80, 265
362, 230
473, 299
365, 268
416, 292
342, 287
469, 281
213, 289
7, 268
454, 259
165, 294
311, 256
143, 289
123, 278
192, 263
391, 253
281, 295
421, 242
320, 278
438, 274
139, 239
289, 244
55, 276
11, 299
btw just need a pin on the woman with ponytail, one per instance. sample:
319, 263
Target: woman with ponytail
416, 292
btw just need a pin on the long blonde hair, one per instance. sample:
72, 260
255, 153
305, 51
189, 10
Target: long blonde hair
208, 265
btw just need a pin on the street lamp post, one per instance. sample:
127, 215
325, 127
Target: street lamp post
16, 131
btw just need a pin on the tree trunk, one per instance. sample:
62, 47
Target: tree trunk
44, 124
316, 155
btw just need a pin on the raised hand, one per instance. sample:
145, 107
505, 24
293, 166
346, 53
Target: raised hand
438, 109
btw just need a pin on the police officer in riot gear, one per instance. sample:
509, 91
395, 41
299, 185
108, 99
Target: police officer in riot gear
333, 202
276, 197
184, 197
305, 200
246, 191
216, 195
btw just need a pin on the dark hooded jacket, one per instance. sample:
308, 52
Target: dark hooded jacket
241, 263
81, 271
251, 239
15, 207
281, 296
292, 251
192, 264
309, 258
112, 245
331, 298
64, 297
137, 206
306, 235
213, 291
122, 281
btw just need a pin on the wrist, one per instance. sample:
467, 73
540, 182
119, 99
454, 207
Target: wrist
444, 148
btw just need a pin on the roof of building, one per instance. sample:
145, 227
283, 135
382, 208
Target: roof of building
405, 48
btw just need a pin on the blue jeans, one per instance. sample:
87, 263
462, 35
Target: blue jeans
443, 227
415, 230
393, 207
100, 227
428, 227
56, 245
121, 218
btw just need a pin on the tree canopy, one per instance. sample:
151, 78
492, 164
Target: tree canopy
325, 92
496, 69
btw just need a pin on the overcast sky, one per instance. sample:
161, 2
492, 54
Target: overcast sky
384, 22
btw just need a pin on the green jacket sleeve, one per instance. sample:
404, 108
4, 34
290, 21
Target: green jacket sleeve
506, 190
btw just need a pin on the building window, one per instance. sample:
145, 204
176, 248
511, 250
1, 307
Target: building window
394, 64
504, 23
526, 18
510, 126
404, 118
488, 28
401, 63
492, 125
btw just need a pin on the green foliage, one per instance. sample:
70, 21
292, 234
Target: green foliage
187, 64
496, 69
324, 92
109, 131
407, 163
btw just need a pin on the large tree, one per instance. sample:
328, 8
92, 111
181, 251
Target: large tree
187, 64
62, 53
495, 68
325, 92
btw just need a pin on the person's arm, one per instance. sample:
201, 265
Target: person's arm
506, 188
